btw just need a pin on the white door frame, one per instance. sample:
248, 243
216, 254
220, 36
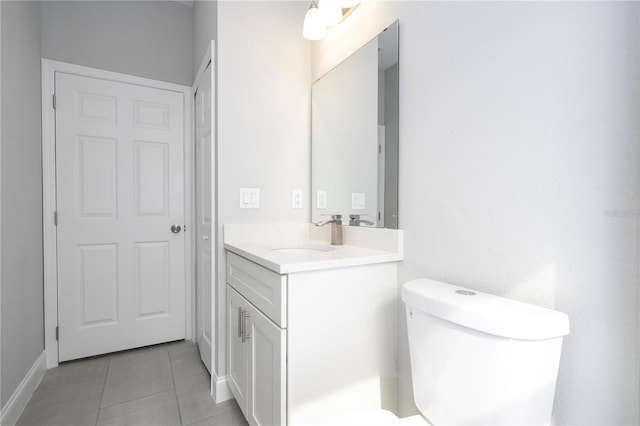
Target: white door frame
206, 62
219, 388
49, 68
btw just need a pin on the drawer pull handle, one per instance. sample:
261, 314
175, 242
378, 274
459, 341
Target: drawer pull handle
245, 335
240, 321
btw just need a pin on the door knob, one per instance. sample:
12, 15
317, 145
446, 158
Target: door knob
176, 228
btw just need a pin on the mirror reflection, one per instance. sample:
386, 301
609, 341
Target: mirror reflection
354, 137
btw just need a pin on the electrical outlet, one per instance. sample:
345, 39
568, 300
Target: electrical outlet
357, 200
321, 199
296, 199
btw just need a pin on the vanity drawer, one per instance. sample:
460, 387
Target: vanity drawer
265, 289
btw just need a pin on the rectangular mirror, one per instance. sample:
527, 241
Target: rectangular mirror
354, 137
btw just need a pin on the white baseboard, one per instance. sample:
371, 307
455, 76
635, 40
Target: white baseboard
13, 408
220, 390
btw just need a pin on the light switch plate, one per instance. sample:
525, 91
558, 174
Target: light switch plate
296, 199
249, 198
321, 199
357, 201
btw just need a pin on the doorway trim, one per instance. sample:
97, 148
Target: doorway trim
50, 253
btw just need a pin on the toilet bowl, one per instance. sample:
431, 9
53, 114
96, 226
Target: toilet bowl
475, 359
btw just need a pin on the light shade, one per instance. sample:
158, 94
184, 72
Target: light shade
313, 27
330, 11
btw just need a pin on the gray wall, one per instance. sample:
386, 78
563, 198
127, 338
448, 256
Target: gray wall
21, 186
152, 39
519, 133
205, 26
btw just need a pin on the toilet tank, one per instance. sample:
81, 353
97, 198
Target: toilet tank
477, 358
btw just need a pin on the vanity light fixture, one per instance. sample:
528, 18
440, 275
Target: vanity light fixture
325, 13
330, 12
313, 28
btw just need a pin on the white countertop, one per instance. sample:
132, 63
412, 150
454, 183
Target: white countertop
258, 250
284, 262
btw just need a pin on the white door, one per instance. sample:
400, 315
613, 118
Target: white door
204, 237
120, 188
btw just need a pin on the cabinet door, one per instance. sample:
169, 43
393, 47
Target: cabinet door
237, 353
267, 371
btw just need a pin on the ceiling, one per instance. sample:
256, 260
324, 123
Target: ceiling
185, 2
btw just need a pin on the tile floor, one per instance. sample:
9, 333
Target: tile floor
158, 385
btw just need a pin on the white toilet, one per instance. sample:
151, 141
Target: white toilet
476, 358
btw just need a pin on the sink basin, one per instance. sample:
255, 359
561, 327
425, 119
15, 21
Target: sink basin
301, 248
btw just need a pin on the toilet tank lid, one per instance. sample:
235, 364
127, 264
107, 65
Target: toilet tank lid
485, 312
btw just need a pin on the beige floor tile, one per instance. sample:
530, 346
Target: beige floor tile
155, 353
194, 397
157, 385
189, 363
136, 376
230, 416
75, 404
93, 369
188, 384
181, 349
153, 410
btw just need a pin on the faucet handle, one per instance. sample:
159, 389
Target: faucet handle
354, 220
336, 217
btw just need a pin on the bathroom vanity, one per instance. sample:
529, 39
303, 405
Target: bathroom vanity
311, 327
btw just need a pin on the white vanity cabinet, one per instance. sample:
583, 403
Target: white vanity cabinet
304, 346
257, 362
257, 345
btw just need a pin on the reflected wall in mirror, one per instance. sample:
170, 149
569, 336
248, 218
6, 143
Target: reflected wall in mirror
354, 136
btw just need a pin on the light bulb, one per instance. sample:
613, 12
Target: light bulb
313, 27
330, 11
347, 4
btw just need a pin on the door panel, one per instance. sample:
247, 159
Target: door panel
120, 187
151, 279
99, 284
98, 173
152, 178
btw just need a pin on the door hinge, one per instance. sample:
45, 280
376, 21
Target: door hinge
57, 332
55, 218
54, 101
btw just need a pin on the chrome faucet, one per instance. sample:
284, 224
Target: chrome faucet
336, 228
354, 220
